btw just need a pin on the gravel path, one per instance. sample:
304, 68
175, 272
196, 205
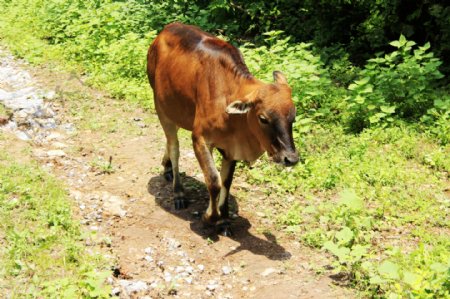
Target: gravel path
126, 205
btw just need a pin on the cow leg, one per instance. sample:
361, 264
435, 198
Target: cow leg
226, 175
170, 163
212, 178
168, 171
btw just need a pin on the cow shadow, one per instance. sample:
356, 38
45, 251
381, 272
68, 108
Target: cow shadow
198, 197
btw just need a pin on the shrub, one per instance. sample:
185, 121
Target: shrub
400, 84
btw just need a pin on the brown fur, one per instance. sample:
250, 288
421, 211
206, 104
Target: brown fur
195, 79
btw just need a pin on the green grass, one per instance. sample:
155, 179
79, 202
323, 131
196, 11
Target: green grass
376, 202
41, 250
3, 111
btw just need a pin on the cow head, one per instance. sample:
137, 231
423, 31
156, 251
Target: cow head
270, 113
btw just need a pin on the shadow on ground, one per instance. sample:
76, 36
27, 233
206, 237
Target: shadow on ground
198, 199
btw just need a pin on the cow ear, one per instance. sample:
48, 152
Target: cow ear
279, 77
239, 107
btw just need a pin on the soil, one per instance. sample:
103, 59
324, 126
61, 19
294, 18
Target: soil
111, 166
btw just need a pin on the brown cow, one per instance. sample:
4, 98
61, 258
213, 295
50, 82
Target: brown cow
201, 84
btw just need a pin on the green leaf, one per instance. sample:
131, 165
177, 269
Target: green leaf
330, 246
368, 89
310, 209
345, 235
377, 280
340, 252
388, 109
349, 199
305, 121
359, 99
410, 43
352, 86
376, 118
411, 279
425, 47
389, 270
395, 44
439, 268
358, 251
402, 39
363, 81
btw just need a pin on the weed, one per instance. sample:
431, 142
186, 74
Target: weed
103, 167
41, 254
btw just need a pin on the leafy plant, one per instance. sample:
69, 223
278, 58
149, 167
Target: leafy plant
41, 254
399, 84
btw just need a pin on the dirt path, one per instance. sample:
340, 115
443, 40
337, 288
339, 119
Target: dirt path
109, 153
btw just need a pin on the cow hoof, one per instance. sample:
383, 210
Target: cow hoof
224, 229
209, 220
168, 175
180, 203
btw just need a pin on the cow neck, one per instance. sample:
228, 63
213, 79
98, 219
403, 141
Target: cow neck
247, 86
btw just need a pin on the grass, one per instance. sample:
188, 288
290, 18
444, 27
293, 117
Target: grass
3, 111
378, 202
41, 251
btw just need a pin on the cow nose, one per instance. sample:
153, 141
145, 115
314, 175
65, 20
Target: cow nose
291, 159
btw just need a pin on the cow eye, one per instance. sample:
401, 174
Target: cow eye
263, 119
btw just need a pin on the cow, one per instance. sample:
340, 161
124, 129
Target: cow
200, 83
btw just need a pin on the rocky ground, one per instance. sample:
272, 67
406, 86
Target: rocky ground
108, 153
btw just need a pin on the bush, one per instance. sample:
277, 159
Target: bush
400, 84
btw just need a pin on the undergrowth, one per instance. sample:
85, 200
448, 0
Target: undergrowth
377, 202
41, 253
372, 188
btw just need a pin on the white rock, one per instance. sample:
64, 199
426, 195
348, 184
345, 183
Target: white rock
56, 153
59, 145
54, 136
23, 136
50, 95
113, 205
21, 114
226, 270
77, 195
167, 276
212, 285
5, 96
115, 291
189, 269
11, 125
133, 286
148, 258
148, 250
172, 244
69, 128
201, 267
268, 271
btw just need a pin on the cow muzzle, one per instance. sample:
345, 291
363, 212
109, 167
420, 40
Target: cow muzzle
286, 158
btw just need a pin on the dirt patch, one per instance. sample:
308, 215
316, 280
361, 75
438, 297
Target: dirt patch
111, 165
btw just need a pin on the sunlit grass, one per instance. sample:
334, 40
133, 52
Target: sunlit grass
41, 251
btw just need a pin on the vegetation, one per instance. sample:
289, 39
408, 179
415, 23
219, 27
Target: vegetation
41, 253
373, 124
